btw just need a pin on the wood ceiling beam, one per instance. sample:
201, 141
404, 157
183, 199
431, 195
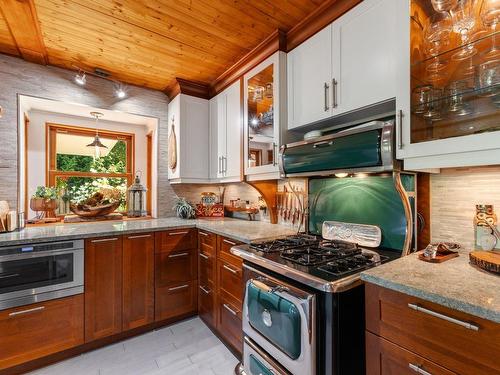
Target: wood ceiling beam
22, 20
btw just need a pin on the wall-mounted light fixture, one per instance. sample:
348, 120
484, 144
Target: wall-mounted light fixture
120, 91
80, 79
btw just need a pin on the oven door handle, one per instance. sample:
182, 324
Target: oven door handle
37, 254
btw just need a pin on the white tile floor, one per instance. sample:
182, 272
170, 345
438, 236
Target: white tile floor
185, 348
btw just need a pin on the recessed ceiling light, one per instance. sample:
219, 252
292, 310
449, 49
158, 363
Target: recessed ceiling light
120, 91
80, 78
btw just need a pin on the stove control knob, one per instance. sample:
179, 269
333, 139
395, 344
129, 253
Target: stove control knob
266, 318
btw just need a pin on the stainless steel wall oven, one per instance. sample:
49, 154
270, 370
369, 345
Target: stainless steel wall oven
40, 272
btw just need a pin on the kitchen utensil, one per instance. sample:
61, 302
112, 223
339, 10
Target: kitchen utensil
172, 148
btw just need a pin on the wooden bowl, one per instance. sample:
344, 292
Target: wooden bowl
42, 204
94, 211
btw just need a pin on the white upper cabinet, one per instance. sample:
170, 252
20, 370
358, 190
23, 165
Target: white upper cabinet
448, 97
264, 117
350, 64
364, 51
188, 128
309, 72
225, 137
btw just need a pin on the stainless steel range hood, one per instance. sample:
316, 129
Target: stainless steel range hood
363, 148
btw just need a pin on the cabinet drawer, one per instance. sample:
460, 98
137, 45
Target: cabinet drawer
175, 240
176, 300
206, 269
175, 267
229, 322
206, 304
224, 251
230, 279
434, 332
37, 330
207, 242
386, 358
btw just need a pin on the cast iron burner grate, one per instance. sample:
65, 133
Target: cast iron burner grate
356, 263
282, 244
320, 252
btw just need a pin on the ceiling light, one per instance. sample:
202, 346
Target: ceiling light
80, 78
120, 91
341, 175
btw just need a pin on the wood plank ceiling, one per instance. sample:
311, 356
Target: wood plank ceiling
151, 42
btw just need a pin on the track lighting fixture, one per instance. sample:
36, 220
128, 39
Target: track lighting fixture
80, 78
120, 91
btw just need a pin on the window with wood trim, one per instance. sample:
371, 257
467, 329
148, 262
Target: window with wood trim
79, 170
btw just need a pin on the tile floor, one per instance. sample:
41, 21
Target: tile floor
185, 348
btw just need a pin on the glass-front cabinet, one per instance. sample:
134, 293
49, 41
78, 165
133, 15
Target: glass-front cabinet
454, 99
263, 107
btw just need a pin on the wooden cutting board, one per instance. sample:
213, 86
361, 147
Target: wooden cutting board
487, 260
172, 148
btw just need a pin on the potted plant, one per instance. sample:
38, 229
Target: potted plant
44, 202
184, 209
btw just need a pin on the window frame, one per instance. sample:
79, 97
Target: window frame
51, 172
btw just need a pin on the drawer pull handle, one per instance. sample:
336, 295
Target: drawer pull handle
105, 240
233, 271
205, 290
177, 233
204, 256
229, 242
15, 313
178, 255
9, 276
140, 236
178, 287
203, 234
418, 369
444, 317
230, 310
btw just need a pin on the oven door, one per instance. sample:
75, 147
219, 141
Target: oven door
39, 276
259, 362
280, 319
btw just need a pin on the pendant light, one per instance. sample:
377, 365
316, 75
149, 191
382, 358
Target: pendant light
96, 143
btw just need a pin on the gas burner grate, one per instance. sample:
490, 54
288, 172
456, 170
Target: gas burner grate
356, 263
282, 244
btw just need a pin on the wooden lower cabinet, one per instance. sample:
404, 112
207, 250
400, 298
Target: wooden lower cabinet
33, 331
138, 280
229, 322
437, 337
176, 274
103, 287
176, 300
220, 294
385, 358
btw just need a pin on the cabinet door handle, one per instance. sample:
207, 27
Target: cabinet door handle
229, 242
444, 317
203, 234
178, 255
275, 154
218, 166
178, 287
105, 240
400, 129
226, 306
327, 100
334, 85
204, 256
224, 165
418, 369
141, 236
177, 233
205, 290
22, 312
232, 270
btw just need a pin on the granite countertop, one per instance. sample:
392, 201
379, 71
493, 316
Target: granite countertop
455, 283
241, 230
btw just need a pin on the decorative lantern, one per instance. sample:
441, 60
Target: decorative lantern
136, 198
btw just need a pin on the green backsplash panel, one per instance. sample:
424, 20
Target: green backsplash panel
363, 200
